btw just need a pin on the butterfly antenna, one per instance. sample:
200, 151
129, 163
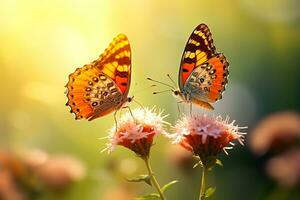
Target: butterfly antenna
168, 75
138, 103
144, 89
159, 92
150, 79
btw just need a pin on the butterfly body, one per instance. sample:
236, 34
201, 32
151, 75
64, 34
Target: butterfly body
203, 72
102, 86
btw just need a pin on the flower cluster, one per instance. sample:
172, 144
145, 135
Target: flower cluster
275, 133
285, 168
136, 131
206, 136
201, 135
23, 173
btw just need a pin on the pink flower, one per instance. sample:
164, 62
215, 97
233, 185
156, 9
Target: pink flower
136, 131
118, 193
275, 132
285, 168
60, 171
9, 189
206, 136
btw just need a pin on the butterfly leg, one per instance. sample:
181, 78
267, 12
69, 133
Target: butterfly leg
115, 118
140, 105
191, 109
130, 112
178, 107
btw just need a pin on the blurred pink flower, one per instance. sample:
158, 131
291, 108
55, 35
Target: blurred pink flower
285, 168
275, 132
34, 158
8, 188
206, 136
11, 162
60, 171
136, 132
119, 193
12, 175
21, 174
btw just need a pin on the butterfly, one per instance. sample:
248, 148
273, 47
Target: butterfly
203, 71
101, 87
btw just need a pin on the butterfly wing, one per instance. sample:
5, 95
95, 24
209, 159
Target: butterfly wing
203, 72
207, 81
102, 86
115, 62
199, 48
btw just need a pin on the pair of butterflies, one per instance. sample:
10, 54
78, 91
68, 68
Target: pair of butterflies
102, 86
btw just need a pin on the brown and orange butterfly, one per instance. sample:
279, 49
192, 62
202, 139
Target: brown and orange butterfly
101, 87
203, 71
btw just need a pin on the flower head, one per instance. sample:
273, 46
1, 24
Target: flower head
285, 168
60, 171
120, 193
206, 136
275, 133
136, 131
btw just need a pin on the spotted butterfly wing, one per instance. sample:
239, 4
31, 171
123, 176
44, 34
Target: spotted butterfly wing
203, 72
102, 86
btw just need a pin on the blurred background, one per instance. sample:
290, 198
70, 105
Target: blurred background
46, 154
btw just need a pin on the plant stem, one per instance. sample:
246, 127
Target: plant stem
203, 183
153, 179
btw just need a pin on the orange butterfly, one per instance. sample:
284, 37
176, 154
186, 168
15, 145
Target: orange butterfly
203, 72
101, 87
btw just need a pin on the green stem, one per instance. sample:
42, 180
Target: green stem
153, 179
203, 183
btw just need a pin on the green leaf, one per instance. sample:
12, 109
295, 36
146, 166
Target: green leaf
141, 178
198, 163
168, 185
210, 191
219, 162
151, 196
